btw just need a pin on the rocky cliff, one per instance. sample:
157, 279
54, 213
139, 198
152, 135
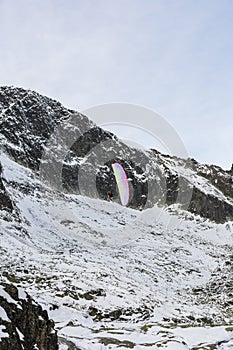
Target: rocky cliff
24, 325
5, 201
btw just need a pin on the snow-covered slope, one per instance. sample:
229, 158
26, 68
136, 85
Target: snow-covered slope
114, 277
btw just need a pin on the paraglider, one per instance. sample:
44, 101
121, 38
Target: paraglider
122, 182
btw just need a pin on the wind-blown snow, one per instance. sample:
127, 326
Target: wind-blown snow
3, 333
3, 315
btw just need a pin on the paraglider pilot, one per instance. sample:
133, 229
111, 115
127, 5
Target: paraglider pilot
110, 195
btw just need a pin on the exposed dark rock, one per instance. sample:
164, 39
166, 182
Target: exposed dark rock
201, 203
210, 207
142, 312
231, 171
25, 323
29, 120
221, 179
5, 201
26, 123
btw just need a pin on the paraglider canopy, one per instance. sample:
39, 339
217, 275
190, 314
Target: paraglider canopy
122, 182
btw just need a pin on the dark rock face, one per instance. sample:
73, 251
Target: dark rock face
5, 201
24, 324
231, 171
204, 204
210, 207
221, 179
104, 176
28, 122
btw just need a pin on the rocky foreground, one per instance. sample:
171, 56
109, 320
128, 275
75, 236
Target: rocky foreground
24, 324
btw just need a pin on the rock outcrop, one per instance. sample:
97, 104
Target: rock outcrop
24, 325
5, 201
210, 207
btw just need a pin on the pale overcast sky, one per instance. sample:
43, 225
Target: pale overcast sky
172, 56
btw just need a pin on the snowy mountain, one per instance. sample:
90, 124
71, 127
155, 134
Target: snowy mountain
109, 276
